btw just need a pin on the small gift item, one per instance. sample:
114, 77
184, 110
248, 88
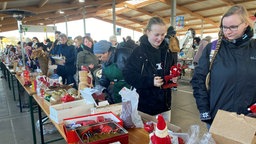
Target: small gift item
67, 98
174, 72
252, 108
160, 136
85, 78
149, 127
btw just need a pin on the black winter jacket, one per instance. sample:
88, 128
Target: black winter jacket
232, 81
140, 70
70, 54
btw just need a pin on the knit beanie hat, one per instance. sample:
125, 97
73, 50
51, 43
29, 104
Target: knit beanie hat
161, 128
101, 47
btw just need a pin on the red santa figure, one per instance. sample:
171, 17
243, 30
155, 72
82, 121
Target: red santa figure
160, 135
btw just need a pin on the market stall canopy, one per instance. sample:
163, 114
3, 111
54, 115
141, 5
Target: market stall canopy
132, 14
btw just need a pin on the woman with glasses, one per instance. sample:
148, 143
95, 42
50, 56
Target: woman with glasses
231, 61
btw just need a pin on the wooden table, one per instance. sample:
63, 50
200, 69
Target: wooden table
136, 136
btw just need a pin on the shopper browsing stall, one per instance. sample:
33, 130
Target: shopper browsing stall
64, 55
231, 63
113, 63
147, 66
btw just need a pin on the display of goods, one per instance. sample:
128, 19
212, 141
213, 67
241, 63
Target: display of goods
102, 133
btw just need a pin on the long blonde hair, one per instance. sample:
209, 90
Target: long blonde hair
236, 9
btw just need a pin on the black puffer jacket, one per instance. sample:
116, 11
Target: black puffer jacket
140, 70
69, 52
233, 77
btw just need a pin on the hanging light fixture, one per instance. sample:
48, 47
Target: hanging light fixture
19, 16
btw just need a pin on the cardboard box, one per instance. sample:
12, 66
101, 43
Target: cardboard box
71, 134
114, 108
231, 128
59, 112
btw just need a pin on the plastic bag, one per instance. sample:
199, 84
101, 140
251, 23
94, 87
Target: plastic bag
207, 139
193, 135
195, 139
129, 114
48, 127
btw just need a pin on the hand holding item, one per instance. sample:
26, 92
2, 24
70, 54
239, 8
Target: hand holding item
158, 81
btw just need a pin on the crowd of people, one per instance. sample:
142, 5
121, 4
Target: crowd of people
144, 65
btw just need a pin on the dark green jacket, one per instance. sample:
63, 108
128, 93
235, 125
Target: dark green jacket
112, 77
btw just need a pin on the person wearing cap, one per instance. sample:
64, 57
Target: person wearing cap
113, 63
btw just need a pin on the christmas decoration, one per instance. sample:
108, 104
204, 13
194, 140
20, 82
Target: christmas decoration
175, 71
160, 136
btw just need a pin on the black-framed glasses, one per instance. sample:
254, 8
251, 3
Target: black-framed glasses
231, 28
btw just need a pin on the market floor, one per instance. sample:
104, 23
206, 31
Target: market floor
15, 127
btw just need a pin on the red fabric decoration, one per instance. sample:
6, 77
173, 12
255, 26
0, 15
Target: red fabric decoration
175, 71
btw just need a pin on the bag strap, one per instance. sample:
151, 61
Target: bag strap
213, 47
